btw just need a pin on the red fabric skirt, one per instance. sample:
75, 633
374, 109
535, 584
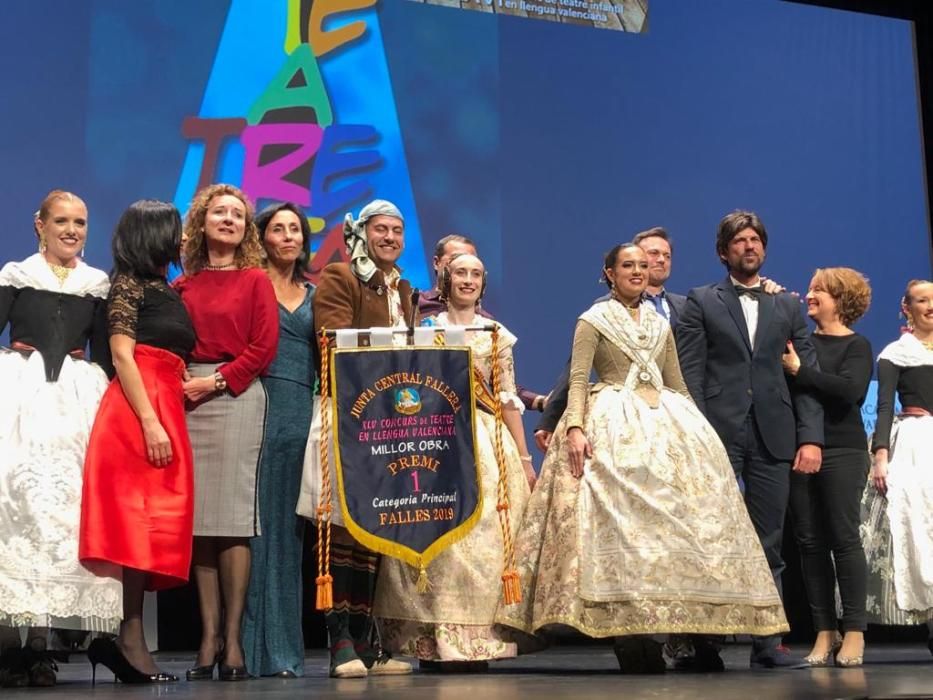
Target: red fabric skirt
134, 514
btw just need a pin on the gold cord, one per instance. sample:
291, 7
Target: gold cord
324, 580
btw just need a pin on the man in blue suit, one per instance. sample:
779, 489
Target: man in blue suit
730, 338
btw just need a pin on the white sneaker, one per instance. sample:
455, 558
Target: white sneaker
350, 669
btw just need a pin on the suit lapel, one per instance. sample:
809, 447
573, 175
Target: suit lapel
765, 313
727, 295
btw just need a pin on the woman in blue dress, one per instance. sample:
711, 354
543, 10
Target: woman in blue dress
272, 636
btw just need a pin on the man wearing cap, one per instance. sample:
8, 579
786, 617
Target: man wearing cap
366, 292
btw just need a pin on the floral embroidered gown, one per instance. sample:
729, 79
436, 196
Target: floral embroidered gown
655, 536
453, 621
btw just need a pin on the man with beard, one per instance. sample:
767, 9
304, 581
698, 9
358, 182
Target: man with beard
730, 338
366, 292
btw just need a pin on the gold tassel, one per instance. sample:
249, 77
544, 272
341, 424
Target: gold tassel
423, 585
325, 592
511, 588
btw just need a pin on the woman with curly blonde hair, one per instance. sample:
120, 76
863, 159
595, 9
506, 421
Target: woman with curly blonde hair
825, 506
235, 315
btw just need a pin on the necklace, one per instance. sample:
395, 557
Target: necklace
928, 344
633, 309
639, 335
60, 271
225, 266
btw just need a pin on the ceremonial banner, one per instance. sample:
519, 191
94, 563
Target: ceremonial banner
404, 439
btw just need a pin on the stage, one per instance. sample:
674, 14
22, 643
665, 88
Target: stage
578, 672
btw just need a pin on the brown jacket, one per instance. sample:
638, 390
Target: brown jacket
342, 300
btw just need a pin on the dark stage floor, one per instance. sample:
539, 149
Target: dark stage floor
570, 672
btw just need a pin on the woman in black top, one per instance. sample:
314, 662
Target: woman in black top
137, 511
899, 528
825, 505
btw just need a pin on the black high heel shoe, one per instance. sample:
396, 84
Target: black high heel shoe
203, 673
106, 652
206, 673
232, 673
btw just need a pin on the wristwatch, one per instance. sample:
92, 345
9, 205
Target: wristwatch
220, 384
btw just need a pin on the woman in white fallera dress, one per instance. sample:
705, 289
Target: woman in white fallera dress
451, 625
52, 302
898, 529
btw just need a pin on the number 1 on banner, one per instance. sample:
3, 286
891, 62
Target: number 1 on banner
414, 477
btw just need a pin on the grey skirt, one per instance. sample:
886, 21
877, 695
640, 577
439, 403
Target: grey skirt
226, 439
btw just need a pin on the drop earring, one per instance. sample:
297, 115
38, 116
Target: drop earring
42, 245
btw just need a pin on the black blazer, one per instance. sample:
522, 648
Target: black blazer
557, 402
678, 303
727, 377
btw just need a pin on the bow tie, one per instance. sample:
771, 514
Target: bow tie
753, 292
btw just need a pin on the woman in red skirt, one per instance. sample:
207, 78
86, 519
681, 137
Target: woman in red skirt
137, 508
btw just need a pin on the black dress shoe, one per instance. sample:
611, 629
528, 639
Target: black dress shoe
106, 652
201, 673
284, 674
14, 670
204, 673
707, 658
637, 654
774, 657
233, 673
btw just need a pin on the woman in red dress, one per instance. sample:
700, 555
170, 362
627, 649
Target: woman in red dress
138, 502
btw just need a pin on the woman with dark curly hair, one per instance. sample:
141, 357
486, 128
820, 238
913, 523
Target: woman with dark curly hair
233, 308
825, 505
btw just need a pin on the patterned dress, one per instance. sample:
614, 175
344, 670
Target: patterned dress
897, 528
453, 621
655, 536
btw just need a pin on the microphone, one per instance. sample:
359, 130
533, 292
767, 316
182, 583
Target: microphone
413, 314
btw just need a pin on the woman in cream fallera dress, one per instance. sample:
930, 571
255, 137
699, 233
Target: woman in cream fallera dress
453, 620
655, 537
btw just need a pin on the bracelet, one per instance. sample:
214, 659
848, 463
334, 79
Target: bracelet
525, 458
